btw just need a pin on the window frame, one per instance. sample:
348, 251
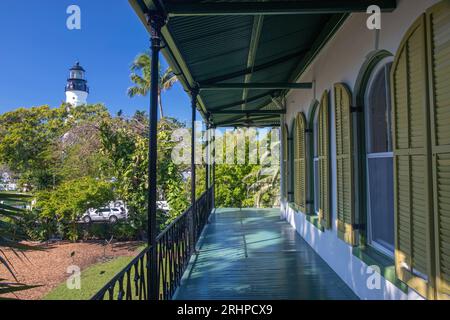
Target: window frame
382, 64
315, 161
311, 152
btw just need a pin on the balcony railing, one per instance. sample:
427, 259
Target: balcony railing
174, 249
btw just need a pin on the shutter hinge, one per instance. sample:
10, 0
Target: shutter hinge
356, 109
308, 131
289, 139
290, 193
309, 202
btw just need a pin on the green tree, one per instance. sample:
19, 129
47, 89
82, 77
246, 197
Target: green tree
264, 181
141, 77
25, 138
173, 188
37, 142
10, 235
10, 213
71, 199
247, 185
126, 145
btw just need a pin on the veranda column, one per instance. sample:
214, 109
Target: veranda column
208, 155
214, 167
192, 219
155, 21
283, 190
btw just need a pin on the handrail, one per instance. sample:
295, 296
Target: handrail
174, 249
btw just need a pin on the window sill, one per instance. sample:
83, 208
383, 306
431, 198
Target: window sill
372, 257
313, 219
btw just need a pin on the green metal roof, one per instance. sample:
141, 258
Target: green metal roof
244, 54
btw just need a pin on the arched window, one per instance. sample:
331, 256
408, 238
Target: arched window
285, 134
379, 159
323, 151
315, 160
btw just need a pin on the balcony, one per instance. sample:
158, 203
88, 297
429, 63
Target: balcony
253, 254
229, 254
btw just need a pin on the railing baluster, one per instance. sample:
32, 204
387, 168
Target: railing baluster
129, 290
121, 292
174, 247
136, 280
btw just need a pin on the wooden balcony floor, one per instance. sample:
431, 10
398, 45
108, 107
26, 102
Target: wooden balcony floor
252, 254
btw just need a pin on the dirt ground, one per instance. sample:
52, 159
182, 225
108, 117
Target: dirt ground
46, 267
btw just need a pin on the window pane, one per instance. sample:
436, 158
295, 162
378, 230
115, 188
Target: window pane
316, 137
381, 193
316, 185
379, 113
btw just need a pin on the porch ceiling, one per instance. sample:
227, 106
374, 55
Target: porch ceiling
243, 55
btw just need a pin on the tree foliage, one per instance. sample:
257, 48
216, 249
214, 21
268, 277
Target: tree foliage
69, 158
71, 199
125, 143
43, 145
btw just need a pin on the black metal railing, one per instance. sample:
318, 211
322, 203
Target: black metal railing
175, 246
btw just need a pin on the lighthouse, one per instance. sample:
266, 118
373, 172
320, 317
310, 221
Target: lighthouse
77, 90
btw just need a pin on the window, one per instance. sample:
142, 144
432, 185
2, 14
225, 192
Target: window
379, 164
316, 162
76, 75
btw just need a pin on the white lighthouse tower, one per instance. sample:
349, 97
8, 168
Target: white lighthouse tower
77, 90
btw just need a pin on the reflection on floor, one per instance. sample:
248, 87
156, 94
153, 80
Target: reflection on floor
252, 254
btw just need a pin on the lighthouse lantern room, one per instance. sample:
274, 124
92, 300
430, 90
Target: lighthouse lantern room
77, 90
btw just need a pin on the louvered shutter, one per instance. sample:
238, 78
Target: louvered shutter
324, 162
300, 162
344, 164
285, 161
294, 162
412, 198
438, 27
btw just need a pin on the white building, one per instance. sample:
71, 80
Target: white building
77, 90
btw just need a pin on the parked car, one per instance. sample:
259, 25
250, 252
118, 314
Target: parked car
106, 214
163, 206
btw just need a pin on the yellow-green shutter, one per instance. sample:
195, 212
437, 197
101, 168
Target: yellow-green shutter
285, 161
438, 31
300, 162
294, 161
412, 181
344, 164
324, 162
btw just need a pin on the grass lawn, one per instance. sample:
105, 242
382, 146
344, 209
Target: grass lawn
92, 280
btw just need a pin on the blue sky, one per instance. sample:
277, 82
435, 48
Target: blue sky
37, 49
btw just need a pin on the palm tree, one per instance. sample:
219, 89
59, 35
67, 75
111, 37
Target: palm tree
267, 179
8, 215
141, 76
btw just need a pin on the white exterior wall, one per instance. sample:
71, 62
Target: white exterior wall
76, 98
341, 61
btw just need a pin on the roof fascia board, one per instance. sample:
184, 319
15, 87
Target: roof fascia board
275, 8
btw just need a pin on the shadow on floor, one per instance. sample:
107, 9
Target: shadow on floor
251, 254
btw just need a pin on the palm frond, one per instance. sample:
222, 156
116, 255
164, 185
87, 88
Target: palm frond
9, 212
